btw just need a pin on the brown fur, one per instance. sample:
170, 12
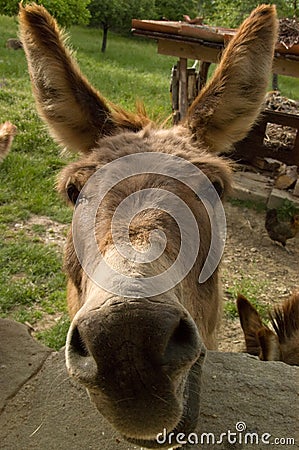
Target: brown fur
7, 133
140, 356
14, 44
281, 344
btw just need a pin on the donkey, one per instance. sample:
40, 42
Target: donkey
7, 134
137, 339
282, 344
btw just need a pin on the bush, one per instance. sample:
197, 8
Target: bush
68, 13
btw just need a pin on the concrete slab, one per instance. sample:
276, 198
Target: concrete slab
20, 356
277, 197
296, 189
52, 413
259, 189
248, 187
49, 412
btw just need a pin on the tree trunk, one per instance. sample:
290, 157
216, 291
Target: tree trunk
105, 28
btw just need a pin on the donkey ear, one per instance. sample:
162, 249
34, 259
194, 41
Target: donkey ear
76, 114
227, 107
270, 347
251, 324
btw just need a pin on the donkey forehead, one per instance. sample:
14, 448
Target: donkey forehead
161, 152
153, 170
170, 141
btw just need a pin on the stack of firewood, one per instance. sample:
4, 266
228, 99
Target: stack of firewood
288, 32
285, 177
279, 138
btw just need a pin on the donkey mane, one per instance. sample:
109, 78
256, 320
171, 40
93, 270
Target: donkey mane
285, 318
130, 120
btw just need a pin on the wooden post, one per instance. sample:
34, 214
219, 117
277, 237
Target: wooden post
275, 82
203, 74
296, 149
191, 85
174, 90
253, 145
183, 94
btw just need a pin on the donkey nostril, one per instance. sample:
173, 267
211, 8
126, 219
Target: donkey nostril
77, 343
184, 334
184, 343
79, 361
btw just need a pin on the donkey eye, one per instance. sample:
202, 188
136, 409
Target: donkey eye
72, 192
218, 188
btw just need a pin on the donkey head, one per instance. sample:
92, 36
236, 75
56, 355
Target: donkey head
142, 256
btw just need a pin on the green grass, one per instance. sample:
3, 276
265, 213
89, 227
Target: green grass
31, 272
130, 70
32, 285
256, 206
252, 290
55, 337
289, 87
287, 210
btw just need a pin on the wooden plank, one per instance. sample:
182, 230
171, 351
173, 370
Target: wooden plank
287, 67
281, 66
174, 90
183, 91
161, 26
253, 145
248, 149
191, 85
188, 50
281, 118
203, 74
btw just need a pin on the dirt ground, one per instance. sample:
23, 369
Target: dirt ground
250, 259
251, 256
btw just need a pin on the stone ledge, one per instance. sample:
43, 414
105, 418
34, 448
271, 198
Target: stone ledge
21, 358
258, 188
50, 412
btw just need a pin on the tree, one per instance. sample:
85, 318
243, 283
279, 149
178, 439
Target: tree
118, 15
174, 10
231, 13
66, 13
9, 7
105, 14
291, 8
